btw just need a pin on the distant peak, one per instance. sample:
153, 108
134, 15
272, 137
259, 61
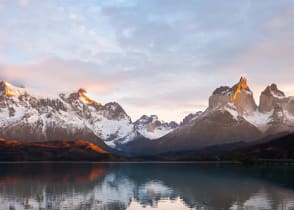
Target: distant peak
10, 90
234, 90
272, 90
149, 118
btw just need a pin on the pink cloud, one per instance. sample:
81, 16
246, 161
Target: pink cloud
24, 3
54, 76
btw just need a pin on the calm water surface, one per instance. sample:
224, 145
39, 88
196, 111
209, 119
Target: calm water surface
115, 186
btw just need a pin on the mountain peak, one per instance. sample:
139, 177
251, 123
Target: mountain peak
10, 90
270, 97
153, 128
240, 95
84, 97
272, 90
241, 85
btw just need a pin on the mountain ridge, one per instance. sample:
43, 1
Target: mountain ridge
231, 116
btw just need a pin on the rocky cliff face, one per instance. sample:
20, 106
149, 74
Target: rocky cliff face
243, 97
271, 97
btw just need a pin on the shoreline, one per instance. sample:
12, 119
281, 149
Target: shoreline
288, 162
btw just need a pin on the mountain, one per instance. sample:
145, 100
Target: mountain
231, 117
152, 128
239, 96
69, 116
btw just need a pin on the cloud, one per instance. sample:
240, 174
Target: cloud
54, 76
270, 59
24, 3
157, 56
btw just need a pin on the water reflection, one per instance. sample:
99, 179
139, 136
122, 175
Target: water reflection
145, 186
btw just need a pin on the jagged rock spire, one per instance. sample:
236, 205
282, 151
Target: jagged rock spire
242, 85
272, 90
270, 97
240, 95
243, 97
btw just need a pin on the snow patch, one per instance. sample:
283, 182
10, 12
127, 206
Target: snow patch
156, 133
230, 107
259, 119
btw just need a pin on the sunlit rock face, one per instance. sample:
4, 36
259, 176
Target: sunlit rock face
8, 89
243, 97
240, 95
85, 98
242, 85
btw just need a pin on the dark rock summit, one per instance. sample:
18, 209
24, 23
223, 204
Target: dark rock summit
271, 97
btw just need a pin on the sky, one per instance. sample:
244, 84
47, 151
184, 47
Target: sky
162, 57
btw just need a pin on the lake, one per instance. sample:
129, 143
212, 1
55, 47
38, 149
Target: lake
136, 186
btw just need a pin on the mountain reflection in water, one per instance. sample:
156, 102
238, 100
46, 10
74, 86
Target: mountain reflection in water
132, 186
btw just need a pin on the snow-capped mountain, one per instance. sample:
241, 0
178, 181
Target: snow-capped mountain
231, 117
152, 128
275, 111
69, 116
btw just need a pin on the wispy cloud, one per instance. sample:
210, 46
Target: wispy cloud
156, 56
